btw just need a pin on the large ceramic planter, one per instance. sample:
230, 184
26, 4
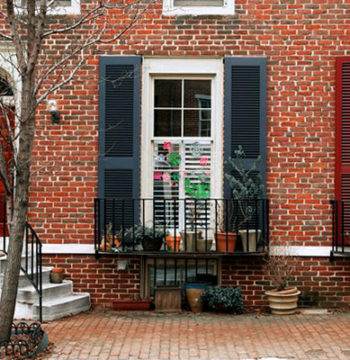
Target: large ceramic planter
283, 302
250, 239
194, 296
131, 304
226, 246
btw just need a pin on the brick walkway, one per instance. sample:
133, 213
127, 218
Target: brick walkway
128, 336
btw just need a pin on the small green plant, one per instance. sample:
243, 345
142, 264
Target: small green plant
220, 298
199, 192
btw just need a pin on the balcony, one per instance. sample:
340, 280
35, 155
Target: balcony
340, 228
181, 227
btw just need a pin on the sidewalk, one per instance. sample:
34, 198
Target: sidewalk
131, 335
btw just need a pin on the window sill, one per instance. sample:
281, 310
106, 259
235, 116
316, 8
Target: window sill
198, 10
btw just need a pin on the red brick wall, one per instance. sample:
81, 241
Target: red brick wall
300, 41
100, 277
322, 284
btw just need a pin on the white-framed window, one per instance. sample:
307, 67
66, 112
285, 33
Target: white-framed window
56, 7
181, 149
198, 7
175, 272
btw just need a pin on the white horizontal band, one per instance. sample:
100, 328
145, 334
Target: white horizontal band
302, 251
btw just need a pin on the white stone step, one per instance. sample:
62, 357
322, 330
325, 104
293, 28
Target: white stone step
51, 291
55, 309
24, 263
23, 281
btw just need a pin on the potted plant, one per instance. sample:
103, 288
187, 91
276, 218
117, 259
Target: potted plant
226, 237
194, 295
246, 187
280, 269
198, 192
151, 238
223, 298
57, 275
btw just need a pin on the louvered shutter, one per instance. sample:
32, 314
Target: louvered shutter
342, 173
119, 138
245, 109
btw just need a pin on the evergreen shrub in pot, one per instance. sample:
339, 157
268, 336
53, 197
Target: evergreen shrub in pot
223, 298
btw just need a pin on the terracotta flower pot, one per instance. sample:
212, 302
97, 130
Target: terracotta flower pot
284, 302
173, 244
221, 242
57, 275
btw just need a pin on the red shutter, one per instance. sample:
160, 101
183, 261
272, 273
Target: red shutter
342, 168
4, 143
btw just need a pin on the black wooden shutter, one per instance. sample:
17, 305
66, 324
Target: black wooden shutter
119, 141
245, 109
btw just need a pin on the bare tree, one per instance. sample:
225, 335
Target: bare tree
28, 30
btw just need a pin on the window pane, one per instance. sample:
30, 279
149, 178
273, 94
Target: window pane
197, 122
197, 93
167, 123
167, 93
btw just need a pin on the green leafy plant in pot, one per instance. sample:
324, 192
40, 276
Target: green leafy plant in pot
199, 192
280, 269
246, 187
151, 238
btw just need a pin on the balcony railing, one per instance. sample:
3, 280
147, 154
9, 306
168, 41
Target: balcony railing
178, 226
340, 227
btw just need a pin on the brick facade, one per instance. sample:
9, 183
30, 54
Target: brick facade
323, 284
300, 40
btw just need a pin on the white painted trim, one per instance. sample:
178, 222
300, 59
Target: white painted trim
170, 10
302, 251
208, 67
73, 9
68, 249
8, 62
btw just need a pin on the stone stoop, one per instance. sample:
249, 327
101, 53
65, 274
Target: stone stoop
59, 300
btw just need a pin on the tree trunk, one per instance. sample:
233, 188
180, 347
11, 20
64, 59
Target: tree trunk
20, 206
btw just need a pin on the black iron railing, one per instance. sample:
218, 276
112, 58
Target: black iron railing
31, 255
181, 225
340, 227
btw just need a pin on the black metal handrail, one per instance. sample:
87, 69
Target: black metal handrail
340, 227
32, 251
123, 224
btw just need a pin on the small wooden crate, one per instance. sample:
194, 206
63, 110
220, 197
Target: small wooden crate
167, 298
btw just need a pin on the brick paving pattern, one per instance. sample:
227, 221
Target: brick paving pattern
154, 336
